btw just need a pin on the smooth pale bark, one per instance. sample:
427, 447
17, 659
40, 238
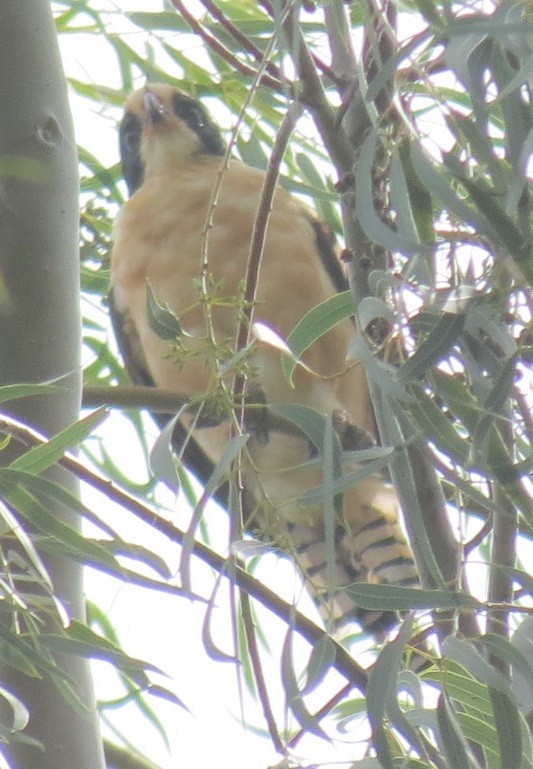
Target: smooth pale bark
40, 325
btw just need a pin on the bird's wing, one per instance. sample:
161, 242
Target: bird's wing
133, 358
166, 234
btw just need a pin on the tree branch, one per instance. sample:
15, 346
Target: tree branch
221, 50
344, 663
241, 38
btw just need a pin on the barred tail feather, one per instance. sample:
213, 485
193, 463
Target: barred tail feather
378, 552
381, 547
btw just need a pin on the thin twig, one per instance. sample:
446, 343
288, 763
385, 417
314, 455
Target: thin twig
313, 95
240, 37
503, 554
327, 70
344, 663
210, 40
242, 338
259, 677
257, 243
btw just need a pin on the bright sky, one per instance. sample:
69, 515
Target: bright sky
161, 629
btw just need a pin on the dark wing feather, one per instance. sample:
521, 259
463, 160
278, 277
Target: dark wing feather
326, 245
130, 348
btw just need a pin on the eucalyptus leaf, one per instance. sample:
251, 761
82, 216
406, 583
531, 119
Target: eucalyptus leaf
41, 457
467, 656
396, 598
453, 741
315, 323
163, 322
292, 692
162, 458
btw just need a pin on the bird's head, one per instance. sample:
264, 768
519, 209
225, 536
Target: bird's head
164, 127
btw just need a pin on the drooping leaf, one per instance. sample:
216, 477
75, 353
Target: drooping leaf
396, 598
315, 324
163, 322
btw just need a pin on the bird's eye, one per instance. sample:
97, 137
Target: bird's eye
130, 135
193, 116
197, 119
197, 116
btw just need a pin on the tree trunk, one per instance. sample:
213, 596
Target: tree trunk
40, 328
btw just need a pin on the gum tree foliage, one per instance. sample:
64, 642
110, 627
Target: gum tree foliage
409, 128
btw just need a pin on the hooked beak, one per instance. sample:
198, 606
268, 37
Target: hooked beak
153, 106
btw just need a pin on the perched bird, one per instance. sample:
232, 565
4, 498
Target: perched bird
172, 158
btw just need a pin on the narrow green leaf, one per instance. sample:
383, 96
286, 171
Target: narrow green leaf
162, 458
521, 77
504, 227
435, 346
10, 522
467, 656
463, 687
482, 148
221, 470
233, 448
381, 690
163, 322
453, 741
40, 458
332, 502
388, 69
515, 110
399, 430
381, 373
320, 662
21, 714
24, 491
506, 651
317, 495
507, 719
310, 422
27, 657
385, 597
293, 695
15, 657
492, 406
440, 185
437, 427
314, 324
211, 648
15, 391
493, 25
83, 642
400, 199
421, 205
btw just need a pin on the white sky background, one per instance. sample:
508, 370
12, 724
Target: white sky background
163, 629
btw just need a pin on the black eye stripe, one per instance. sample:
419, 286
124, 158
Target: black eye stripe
130, 143
196, 117
189, 111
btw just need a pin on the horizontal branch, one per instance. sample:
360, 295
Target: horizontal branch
134, 397
344, 662
159, 401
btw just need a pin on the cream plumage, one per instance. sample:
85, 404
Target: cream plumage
172, 155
